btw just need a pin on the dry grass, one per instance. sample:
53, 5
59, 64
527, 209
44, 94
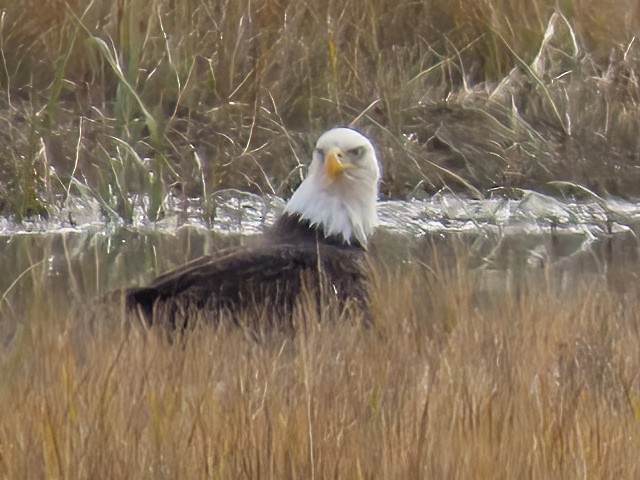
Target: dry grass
110, 99
456, 380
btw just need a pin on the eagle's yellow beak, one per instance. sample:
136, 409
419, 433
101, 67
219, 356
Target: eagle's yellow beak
334, 165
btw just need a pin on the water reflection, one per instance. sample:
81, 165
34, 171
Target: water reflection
79, 253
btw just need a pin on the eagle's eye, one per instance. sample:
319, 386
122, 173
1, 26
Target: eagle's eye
356, 152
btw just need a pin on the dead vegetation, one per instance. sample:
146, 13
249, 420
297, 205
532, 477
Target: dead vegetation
110, 99
457, 378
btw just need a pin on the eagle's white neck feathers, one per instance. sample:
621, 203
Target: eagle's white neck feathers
344, 205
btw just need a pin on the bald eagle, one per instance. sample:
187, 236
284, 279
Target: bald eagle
318, 245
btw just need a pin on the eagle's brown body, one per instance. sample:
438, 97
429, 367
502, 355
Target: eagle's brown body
291, 257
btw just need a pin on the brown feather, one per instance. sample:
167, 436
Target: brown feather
291, 256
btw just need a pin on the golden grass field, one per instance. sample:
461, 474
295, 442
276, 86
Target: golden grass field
458, 378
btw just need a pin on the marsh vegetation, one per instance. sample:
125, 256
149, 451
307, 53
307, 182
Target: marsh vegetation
465, 373
113, 99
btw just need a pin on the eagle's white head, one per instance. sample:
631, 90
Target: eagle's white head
341, 190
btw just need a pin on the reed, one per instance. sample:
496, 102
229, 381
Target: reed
466, 96
455, 379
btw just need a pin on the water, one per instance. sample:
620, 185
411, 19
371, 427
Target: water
78, 249
246, 214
